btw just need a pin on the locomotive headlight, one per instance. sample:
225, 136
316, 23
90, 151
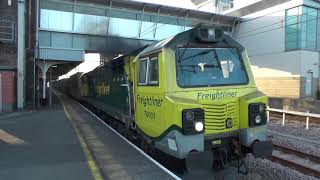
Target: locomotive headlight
193, 121
209, 33
261, 108
257, 114
198, 126
258, 119
189, 116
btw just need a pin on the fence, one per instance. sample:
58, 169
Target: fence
284, 112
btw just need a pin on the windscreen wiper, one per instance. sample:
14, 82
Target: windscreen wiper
198, 54
216, 57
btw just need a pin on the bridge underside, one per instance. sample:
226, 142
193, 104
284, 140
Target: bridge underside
113, 27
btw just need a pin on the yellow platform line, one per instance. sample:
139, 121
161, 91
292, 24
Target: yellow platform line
10, 139
90, 161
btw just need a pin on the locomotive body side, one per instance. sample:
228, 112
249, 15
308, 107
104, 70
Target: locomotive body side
106, 88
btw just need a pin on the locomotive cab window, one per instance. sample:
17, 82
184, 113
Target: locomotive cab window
209, 67
153, 74
149, 71
143, 71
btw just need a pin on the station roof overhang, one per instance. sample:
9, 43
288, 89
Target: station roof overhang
60, 60
61, 54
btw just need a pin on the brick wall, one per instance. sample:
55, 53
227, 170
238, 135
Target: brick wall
282, 87
8, 89
8, 55
9, 12
286, 87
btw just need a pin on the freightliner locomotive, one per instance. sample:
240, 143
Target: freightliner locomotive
187, 94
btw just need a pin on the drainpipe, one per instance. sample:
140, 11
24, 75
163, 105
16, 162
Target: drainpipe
21, 55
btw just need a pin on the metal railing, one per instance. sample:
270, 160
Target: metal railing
284, 112
7, 30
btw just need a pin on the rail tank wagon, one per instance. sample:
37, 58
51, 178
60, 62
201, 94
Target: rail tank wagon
193, 92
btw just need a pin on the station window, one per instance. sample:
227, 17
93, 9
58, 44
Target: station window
149, 71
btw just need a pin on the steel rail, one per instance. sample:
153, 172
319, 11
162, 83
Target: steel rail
299, 167
297, 153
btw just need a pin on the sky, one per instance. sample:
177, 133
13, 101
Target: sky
189, 5
91, 61
175, 3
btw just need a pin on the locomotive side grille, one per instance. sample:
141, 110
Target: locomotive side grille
216, 116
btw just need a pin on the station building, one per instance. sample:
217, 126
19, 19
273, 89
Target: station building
8, 55
283, 42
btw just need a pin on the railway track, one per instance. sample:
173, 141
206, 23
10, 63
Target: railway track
300, 161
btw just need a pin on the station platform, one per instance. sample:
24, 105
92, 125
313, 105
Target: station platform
68, 142
40, 145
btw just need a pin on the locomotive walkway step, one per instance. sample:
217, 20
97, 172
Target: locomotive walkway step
115, 157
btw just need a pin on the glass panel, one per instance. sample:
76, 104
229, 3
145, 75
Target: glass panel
291, 45
44, 19
90, 24
143, 71
168, 26
308, 28
125, 14
167, 30
147, 30
318, 33
55, 20
91, 10
291, 28
78, 22
60, 20
153, 71
303, 35
102, 24
292, 16
58, 6
148, 26
124, 27
209, 67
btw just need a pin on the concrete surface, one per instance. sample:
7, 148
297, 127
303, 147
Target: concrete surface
115, 157
40, 145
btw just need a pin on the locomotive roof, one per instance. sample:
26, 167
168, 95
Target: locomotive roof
185, 38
